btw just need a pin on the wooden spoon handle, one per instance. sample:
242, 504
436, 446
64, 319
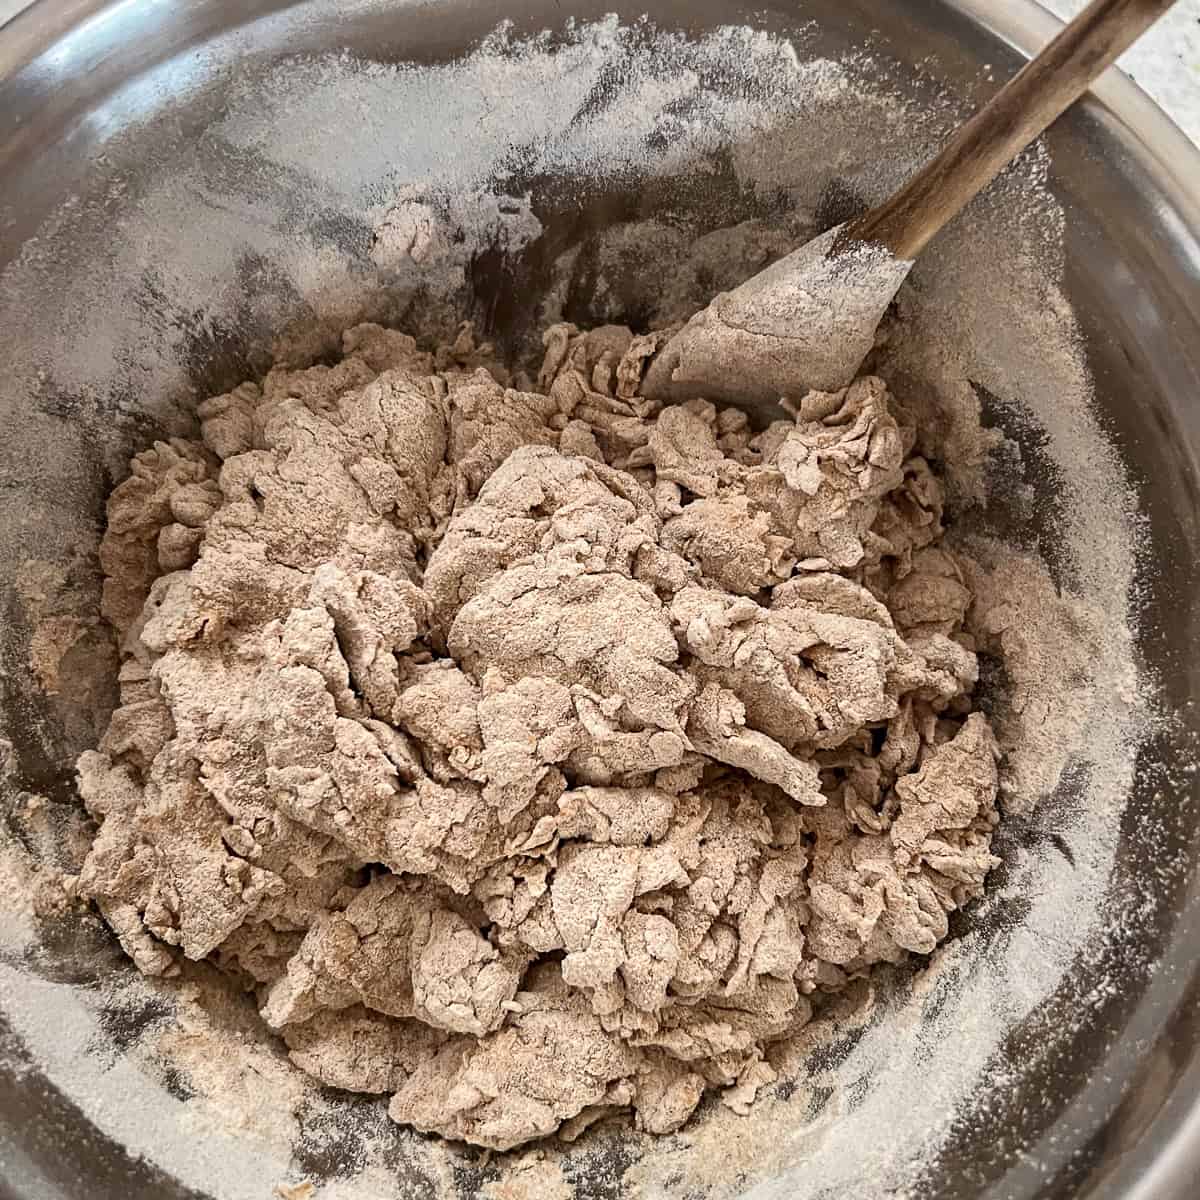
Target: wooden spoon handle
999, 131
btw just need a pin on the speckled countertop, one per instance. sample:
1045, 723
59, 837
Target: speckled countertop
1166, 62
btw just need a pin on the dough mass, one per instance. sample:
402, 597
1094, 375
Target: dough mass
534, 752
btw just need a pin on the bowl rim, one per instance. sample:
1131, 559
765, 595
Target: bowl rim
1164, 1161
1158, 144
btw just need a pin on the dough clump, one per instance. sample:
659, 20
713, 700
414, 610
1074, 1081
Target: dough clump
534, 752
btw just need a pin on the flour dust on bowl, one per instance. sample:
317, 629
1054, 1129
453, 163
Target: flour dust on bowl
189, 196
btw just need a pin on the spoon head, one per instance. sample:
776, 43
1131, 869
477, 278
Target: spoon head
804, 324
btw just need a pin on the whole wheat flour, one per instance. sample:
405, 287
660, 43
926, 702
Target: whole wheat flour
533, 751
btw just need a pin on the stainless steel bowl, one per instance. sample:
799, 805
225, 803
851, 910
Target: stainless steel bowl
99, 98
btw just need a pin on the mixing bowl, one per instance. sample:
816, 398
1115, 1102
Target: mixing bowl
181, 183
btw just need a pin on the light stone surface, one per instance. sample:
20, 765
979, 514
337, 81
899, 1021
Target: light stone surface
1165, 63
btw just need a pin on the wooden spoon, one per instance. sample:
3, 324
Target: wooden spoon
809, 320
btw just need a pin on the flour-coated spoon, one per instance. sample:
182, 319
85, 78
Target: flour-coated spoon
809, 320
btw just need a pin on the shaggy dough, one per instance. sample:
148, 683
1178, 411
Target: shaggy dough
535, 753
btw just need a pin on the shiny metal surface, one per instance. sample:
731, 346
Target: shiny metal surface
1110, 1113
